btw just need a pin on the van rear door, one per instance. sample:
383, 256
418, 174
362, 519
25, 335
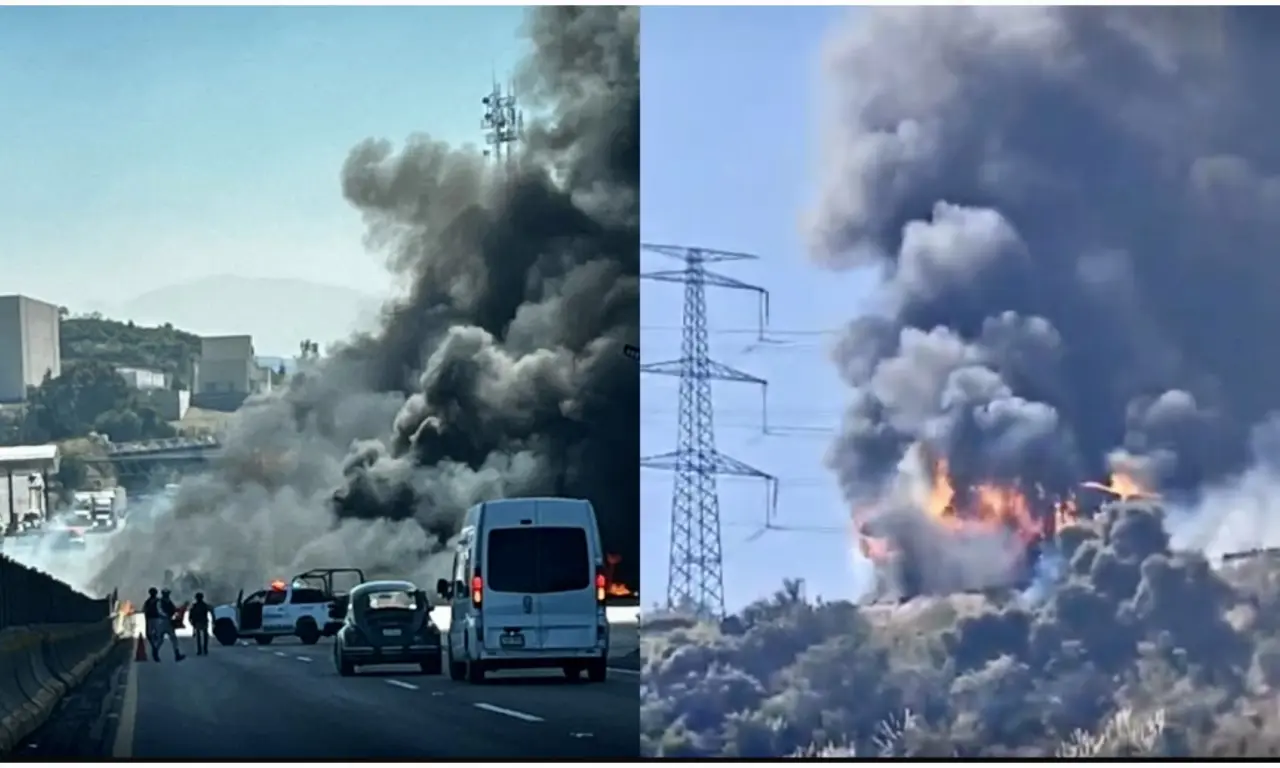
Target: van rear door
539, 586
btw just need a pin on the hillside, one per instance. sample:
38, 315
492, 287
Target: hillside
97, 339
1138, 650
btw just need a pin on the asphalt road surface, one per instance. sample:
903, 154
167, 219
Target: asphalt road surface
287, 701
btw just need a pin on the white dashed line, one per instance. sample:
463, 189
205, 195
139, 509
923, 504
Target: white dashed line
281, 654
509, 712
303, 658
403, 684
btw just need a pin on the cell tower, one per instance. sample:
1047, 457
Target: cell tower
695, 580
503, 124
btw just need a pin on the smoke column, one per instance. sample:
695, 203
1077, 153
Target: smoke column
501, 373
1070, 212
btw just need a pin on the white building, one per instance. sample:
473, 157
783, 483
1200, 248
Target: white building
143, 379
226, 365
30, 345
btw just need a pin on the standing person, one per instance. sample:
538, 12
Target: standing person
151, 615
167, 613
199, 614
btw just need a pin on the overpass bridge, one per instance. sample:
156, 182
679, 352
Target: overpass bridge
142, 456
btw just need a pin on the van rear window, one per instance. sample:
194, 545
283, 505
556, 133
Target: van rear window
537, 561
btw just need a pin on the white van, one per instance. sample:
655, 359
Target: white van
528, 590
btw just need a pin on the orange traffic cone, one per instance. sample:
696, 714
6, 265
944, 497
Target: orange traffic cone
140, 652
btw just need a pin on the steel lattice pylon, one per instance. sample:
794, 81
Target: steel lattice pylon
695, 579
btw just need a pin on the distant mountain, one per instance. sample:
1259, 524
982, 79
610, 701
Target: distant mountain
277, 312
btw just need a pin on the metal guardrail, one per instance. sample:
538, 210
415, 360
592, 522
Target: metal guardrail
168, 445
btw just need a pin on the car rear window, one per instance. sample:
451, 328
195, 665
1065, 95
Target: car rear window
389, 599
538, 561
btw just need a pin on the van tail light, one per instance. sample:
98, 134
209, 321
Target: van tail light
602, 586
477, 590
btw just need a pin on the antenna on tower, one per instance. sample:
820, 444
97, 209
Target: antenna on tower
695, 580
503, 123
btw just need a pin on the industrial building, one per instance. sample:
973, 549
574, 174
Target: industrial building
226, 373
227, 365
169, 404
30, 345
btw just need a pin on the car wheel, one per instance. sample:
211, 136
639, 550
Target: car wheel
598, 670
224, 632
345, 668
457, 671
572, 670
475, 672
308, 632
263, 639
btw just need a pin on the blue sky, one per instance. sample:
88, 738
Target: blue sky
150, 146
730, 98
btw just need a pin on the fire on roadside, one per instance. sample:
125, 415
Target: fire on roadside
615, 588
993, 507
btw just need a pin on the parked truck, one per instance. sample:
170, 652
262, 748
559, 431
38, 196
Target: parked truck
100, 511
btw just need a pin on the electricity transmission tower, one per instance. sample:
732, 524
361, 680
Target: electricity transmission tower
695, 579
503, 123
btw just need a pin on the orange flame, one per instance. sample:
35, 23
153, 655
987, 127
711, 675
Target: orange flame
1123, 486
989, 506
615, 588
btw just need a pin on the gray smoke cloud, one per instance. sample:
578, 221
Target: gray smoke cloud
1071, 211
500, 373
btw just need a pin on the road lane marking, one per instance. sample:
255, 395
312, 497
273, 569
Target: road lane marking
128, 716
303, 658
619, 670
508, 712
281, 654
403, 684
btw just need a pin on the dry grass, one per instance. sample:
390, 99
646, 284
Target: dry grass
1123, 735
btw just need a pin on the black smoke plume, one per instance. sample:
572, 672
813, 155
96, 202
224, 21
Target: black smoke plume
501, 372
1071, 212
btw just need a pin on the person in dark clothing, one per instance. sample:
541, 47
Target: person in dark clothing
168, 614
199, 614
151, 615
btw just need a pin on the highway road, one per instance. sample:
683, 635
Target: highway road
287, 701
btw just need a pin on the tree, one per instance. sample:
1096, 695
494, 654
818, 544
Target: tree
89, 396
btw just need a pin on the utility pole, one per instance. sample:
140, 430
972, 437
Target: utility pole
695, 579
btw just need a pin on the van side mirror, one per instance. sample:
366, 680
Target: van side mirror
444, 588
420, 596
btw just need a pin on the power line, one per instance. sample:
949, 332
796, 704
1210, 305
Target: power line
771, 332
695, 579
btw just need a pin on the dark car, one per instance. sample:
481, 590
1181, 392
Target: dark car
387, 622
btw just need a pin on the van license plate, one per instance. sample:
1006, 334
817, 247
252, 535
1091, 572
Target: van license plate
391, 632
512, 641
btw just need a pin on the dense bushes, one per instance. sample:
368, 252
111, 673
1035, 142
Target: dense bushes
1139, 649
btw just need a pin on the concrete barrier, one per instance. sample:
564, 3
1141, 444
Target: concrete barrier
38, 665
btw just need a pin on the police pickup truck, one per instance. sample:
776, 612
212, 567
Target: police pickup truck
304, 607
